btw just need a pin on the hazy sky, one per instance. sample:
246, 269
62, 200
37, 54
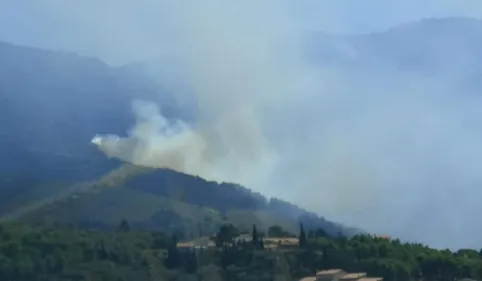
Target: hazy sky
61, 24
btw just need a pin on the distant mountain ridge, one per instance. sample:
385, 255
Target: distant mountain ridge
433, 46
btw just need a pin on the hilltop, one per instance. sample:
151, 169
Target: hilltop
168, 201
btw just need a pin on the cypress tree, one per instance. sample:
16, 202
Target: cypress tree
254, 237
302, 242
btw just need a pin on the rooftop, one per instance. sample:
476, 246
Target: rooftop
371, 279
353, 275
328, 272
283, 240
197, 244
308, 279
185, 244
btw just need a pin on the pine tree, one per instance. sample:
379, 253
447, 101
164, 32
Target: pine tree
255, 237
101, 251
191, 264
124, 226
173, 259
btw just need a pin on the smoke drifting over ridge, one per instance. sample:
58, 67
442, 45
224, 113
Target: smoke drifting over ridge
389, 152
241, 65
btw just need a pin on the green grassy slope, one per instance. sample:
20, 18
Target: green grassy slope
108, 207
160, 200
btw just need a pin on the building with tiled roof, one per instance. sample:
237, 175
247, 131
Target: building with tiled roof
371, 279
340, 275
311, 278
329, 275
353, 276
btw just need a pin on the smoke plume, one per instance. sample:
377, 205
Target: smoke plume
241, 65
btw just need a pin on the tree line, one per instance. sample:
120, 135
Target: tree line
51, 253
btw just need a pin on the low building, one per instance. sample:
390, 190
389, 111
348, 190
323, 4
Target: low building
311, 278
340, 275
243, 237
186, 245
353, 276
198, 244
329, 275
371, 279
281, 242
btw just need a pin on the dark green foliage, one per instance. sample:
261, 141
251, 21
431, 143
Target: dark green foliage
226, 235
317, 233
59, 253
254, 237
303, 243
278, 231
173, 259
52, 253
191, 262
124, 226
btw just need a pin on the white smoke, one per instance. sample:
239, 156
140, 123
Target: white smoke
157, 142
223, 151
240, 70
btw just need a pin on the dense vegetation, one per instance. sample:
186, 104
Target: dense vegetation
59, 253
163, 200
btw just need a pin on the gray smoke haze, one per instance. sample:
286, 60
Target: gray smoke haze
239, 70
389, 152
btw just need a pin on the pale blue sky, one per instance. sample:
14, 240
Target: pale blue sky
88, 26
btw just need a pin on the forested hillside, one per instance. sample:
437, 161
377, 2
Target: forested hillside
53, 103
163, 200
